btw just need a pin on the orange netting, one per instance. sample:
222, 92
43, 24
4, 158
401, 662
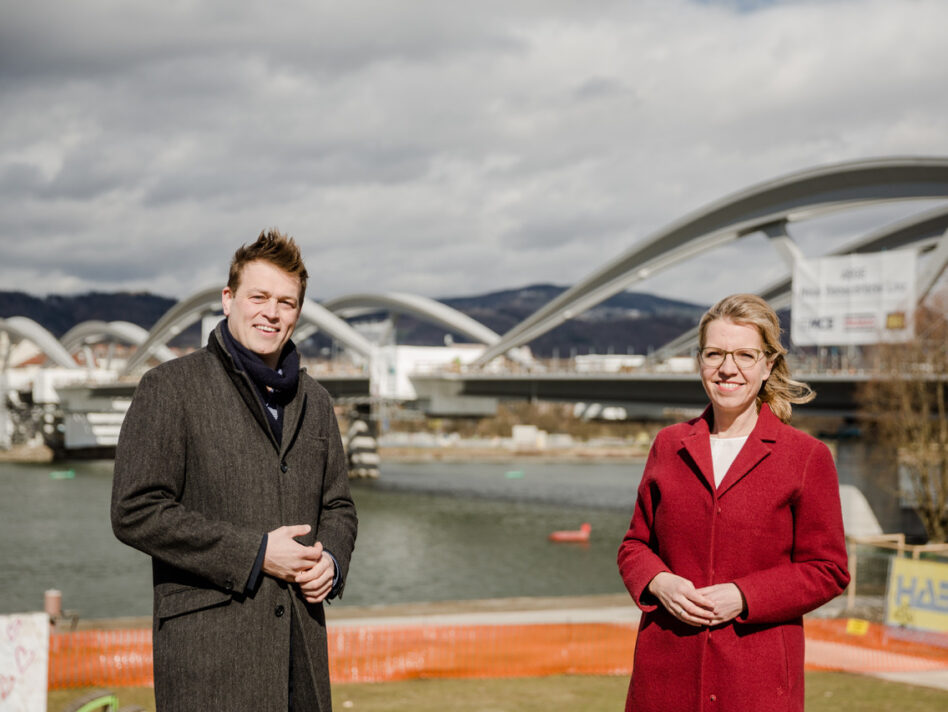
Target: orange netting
377, 654
880, 648
100, 658
370, 653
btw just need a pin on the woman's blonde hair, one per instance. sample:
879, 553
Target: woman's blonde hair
779, 391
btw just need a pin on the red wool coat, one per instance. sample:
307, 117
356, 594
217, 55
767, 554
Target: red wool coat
774, 528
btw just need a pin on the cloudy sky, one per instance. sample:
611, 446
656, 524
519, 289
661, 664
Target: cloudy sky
416, 145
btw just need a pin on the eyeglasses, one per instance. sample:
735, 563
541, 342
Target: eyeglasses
743, 358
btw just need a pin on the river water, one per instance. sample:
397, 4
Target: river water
427, 532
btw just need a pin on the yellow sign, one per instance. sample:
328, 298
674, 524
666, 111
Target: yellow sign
896, 320
857, 626
917, 595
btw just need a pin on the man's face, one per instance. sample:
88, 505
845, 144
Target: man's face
263, 312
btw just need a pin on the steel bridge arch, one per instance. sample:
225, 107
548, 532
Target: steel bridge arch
791, 197
173, 322
124, 331
926, 233
24, 328
426, 309
415, 305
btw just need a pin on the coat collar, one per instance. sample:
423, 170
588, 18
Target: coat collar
292, 414
697, 443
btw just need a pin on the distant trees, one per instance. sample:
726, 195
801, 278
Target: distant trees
906, 408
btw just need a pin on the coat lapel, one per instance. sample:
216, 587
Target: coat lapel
242, 383
698, 446
759, 443
758, 446
293, 414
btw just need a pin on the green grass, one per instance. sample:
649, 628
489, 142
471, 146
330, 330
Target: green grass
826, 692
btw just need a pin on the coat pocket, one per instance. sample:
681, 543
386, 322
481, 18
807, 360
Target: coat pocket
179, 601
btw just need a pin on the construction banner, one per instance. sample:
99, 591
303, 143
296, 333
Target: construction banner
854, 299
917, 595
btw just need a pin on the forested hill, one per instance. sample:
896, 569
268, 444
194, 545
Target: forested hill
59, 313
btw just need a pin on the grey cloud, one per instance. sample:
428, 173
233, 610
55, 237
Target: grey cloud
92, 266
558, 227
431, 145
102, 37
18, 180
601, 87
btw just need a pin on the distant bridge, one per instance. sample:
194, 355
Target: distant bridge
767, 208
649, 395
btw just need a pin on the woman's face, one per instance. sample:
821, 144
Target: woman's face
731, 386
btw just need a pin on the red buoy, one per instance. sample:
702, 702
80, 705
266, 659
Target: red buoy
581, 534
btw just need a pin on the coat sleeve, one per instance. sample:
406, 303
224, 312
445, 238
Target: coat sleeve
638, 558
817, 570
148, 482
338, 523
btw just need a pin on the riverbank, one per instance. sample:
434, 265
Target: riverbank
461, 453
578, 453
26, 454
614, 607
619, 605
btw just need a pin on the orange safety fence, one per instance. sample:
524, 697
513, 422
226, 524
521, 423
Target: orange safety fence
375, 653
857, 646
100, 658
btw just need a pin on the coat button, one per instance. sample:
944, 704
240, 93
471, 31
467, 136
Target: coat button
229, 585
714, 698
278, 611
284, 467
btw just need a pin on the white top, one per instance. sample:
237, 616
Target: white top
723, 453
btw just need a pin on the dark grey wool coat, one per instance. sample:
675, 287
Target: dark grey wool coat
199, 479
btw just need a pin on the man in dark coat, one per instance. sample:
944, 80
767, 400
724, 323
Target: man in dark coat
230, 474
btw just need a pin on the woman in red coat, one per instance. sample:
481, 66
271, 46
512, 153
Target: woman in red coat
737, 532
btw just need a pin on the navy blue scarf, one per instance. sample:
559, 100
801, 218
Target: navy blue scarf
277, 387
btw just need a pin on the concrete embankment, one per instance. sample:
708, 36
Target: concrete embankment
26, 453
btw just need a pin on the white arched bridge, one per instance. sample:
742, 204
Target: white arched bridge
770, 208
